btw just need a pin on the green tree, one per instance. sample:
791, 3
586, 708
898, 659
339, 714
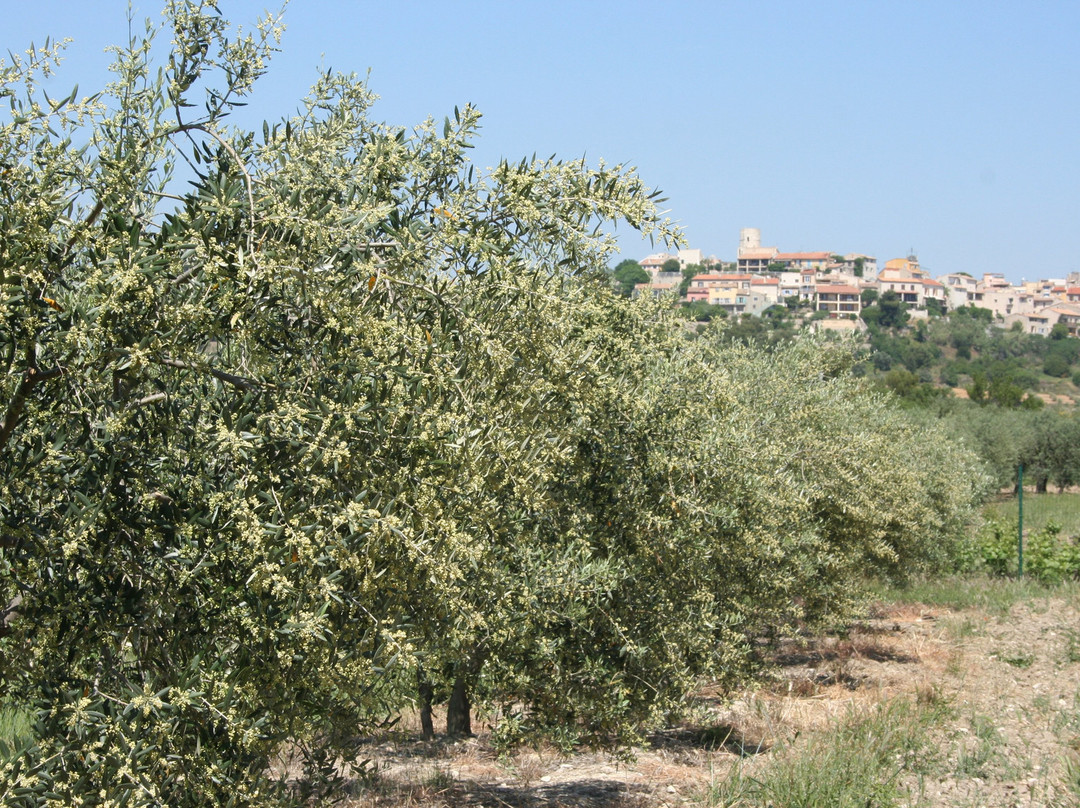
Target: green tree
977, 392
1051, 452
966, 334
902, 382
973, 312
627, 274
1005, 392
688, 274
671, 265
266, 448
1061, 353
997, 435
703, 312
1056, 365
893, 310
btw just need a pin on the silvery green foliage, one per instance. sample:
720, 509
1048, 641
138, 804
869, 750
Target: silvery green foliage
259, 431
346, 411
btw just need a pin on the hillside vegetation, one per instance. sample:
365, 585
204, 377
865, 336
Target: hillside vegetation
1008, 395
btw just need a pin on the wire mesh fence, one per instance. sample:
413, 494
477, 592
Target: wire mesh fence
1044, 520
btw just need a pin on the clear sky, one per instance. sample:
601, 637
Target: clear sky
871, 126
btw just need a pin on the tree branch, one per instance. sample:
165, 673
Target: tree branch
230, 378
142, 402
249, 183
15, 407
186, 275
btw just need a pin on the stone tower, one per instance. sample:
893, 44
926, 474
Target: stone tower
749, 239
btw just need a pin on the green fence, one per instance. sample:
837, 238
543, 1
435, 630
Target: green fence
1047, 525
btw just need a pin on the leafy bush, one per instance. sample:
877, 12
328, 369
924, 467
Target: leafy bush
1048, 556
1056, 365
1051, 557
997, 545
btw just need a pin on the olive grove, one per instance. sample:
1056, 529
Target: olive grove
307, 426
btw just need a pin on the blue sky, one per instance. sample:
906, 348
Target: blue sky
950, 129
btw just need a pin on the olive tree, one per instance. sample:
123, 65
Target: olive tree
719, 493
260, 429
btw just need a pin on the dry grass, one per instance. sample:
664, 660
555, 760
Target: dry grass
944, 698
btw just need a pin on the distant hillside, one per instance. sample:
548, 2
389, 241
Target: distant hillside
1008, 395
963, 354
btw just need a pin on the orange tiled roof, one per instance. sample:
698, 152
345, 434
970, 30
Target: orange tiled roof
741, 276
836, 289
756, 253
804, 256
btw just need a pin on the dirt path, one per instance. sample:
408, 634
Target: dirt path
1009, 686
1016, 691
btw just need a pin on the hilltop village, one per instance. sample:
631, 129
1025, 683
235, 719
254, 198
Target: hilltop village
839, 286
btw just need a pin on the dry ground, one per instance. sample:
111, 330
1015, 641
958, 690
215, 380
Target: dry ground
1009, 685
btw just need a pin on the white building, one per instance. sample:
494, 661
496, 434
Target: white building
688, 257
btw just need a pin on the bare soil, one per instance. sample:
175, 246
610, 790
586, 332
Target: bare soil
1011, 685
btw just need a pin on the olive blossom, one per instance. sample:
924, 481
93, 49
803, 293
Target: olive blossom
264, 439
304, 426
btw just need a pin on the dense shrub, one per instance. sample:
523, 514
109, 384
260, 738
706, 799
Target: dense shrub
1048, 556
353, 426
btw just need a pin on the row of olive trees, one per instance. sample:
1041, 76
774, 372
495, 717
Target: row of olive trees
345, 426
1045, 442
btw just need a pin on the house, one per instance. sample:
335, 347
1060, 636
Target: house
756, 259
934, 290
906, 267
722, 280
654, 263
767, 288
656, 288
1004, 300
856, 265
994, 280
908, 289
790, 284
1033, 322
961, 289
1045, 287
1068, 314
688, 257
839, 300
752, 257
912, 284
739, 301
804, 260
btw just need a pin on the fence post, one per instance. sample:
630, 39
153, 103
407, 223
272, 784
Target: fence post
1020, 520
